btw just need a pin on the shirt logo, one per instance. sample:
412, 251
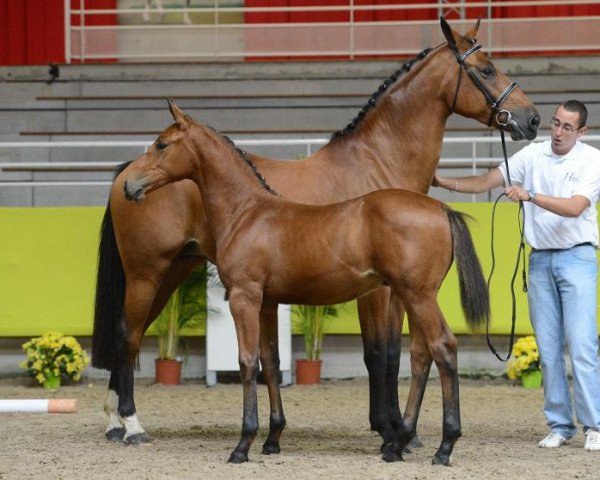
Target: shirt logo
571, 177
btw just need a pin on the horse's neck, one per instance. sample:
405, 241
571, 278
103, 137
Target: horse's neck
398, 143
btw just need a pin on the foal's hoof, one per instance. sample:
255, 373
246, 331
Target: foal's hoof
115, 434
390, 454
271, 448
415, 442
446, 461
237, 457
137, 439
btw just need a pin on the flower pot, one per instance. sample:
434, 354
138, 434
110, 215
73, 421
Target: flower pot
308, 372
168, 372
532, 379
53, 381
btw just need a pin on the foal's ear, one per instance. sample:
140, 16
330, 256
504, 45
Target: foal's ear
471, 35
451, 35
181, 119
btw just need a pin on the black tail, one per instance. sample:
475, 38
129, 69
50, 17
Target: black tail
110, 297
474, 293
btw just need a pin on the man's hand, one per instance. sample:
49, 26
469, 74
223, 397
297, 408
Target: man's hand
517, 193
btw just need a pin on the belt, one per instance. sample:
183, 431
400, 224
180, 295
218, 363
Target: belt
584, 244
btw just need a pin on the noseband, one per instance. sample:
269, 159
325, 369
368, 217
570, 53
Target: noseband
494, 103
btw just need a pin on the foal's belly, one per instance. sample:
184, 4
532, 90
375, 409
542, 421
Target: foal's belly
323, 290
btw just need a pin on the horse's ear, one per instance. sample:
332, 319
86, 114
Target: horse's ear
472, 34
181, 119
450, 34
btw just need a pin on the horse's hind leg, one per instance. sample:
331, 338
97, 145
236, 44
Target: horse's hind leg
269, 359
383, 398
115, 430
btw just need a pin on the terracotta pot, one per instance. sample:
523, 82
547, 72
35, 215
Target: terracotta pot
168, 372
308, 372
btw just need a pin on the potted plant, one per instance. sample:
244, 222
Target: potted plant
526, 363
54, 357
185, 309
312, 321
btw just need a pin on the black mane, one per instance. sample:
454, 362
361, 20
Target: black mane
119, 168
248, 162
382, 88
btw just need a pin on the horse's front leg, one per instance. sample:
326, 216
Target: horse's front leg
373, 316
269, 360
245, 308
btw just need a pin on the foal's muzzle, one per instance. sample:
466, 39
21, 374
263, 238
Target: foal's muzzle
134, 190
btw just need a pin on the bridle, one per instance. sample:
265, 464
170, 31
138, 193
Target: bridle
494, 103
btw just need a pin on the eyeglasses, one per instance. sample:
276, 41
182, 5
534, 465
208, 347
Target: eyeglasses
555, 123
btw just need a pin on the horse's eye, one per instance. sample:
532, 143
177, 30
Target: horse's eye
488, 71
161, 146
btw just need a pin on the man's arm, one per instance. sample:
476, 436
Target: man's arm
472, 184
565, 207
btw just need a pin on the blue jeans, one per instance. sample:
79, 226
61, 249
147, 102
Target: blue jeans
562, 308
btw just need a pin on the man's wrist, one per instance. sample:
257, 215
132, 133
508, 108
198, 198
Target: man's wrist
532, 196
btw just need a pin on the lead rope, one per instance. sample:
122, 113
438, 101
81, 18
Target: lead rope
521, 251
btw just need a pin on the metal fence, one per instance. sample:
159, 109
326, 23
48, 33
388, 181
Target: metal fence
220, 30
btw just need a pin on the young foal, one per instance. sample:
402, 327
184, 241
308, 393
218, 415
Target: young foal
271, 250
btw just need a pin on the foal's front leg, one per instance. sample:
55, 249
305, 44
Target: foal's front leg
245, 309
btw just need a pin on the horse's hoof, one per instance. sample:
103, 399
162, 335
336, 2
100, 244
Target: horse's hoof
237, 457
271, 448
445, 461
415, 442
115, 434
390, 454
137, 439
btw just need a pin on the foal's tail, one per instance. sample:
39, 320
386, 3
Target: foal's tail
474, 293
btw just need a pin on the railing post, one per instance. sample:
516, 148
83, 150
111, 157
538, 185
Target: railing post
67, 14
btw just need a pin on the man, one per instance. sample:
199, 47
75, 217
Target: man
559, 180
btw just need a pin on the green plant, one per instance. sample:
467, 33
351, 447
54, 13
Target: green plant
527, 358
185, 309
313, 321
52, 356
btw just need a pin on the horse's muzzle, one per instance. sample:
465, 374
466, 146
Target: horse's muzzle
133, 190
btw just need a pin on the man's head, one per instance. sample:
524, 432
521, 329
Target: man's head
567, 125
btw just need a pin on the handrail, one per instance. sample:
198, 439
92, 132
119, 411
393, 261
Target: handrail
226, 37
474, 162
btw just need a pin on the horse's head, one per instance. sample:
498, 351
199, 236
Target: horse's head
477, 89
170, 158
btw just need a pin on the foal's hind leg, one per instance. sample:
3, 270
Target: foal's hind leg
115, 430
424, 311
269, 359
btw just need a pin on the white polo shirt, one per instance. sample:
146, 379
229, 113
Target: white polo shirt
539, 170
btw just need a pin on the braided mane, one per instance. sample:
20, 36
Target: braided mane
242, 154
382, 88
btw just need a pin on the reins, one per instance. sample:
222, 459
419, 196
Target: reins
495, 104
520, 251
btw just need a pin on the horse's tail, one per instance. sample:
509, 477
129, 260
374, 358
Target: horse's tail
474, 293
110, 297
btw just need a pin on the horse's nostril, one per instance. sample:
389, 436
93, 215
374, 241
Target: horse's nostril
535, 121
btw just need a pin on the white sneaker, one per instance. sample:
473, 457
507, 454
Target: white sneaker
592, 440
555, 440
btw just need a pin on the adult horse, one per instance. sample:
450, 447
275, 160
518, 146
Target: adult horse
394, 142
266, 253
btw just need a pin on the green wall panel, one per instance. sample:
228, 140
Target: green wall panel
48, 268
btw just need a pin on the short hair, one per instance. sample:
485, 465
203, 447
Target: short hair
577, 107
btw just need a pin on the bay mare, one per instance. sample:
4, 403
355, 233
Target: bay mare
267, 252
394, 142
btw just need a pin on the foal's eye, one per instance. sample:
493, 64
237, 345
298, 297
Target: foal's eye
161, 146
488, 71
